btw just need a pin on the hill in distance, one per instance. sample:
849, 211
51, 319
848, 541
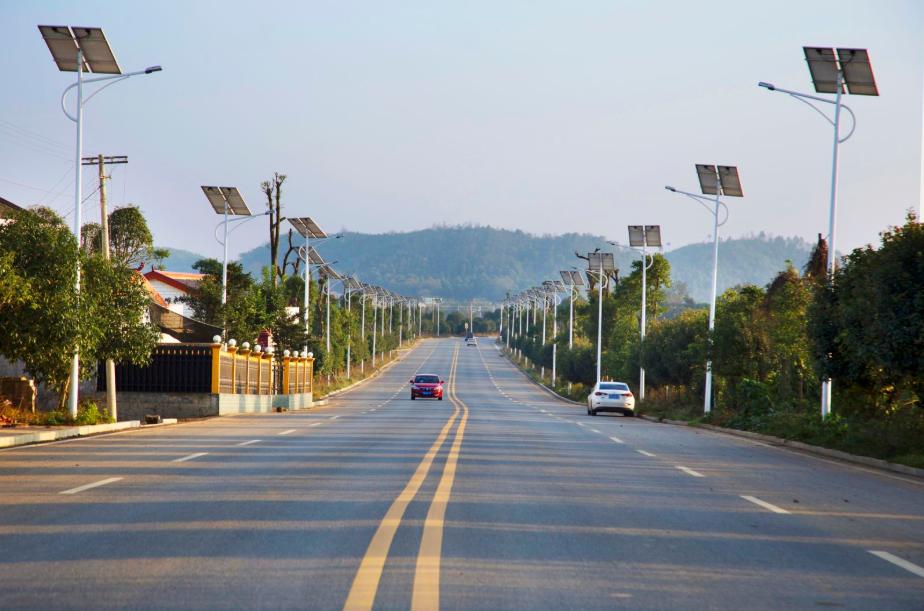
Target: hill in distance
465, 262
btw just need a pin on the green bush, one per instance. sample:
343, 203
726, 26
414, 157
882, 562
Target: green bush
89, 413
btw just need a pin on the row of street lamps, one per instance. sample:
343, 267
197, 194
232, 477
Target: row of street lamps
86, 50
833, 70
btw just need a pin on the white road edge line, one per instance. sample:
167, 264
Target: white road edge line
247, 443
689, 471
644, 453
289, 432
314, 424
190, 457
101, 482
595, 430
617, 439
908, 566
764, 504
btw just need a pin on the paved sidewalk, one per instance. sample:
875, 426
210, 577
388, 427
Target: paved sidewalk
26, 435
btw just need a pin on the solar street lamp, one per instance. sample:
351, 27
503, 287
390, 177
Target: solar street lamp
80, 49
717, 181
833, 71
601, 265
309, 230
350, 286
329, 274
572, 279
226, 201
643, 236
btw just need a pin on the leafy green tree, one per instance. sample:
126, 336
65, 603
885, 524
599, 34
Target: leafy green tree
130, 241
44, 330
868, 325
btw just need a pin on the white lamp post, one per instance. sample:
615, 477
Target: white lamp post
832, 70
716, 181
79, 49
600, 265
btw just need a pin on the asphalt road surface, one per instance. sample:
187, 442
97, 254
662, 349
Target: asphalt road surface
498, 497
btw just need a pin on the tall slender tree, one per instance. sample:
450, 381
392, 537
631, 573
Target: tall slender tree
273, 190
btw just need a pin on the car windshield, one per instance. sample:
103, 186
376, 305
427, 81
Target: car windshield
614, 386
427, 380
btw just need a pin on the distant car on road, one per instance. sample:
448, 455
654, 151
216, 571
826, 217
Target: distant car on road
427, 385
471, 340
611, 397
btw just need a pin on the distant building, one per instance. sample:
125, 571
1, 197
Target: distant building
172, 287
7, 209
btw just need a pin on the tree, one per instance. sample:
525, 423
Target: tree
130, 241
44, 329
273, 190
243, 315
867, 325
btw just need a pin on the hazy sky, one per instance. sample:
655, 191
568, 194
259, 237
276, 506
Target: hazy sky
544, 116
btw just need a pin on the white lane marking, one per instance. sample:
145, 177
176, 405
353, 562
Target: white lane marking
644, 453
247, 443
580, 424
617, 439
595, 430
908, 566
764, 504
373, 409
689, 471
190, 457
101, 482
334, 417
289, 432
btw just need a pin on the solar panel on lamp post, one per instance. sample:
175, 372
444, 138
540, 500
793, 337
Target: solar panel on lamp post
81, 49
832, 70
309, 230
643, 236
601, 265
718, 181
225, 201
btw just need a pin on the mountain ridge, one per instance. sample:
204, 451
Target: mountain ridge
464, 262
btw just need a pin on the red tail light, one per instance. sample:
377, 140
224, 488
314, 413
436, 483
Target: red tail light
628, 394
599, 394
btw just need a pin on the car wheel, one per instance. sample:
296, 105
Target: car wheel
593, 412
413, 397
440, 398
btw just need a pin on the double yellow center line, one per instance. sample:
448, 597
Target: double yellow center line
426, 592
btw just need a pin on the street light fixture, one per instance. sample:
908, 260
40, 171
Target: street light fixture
309, 230
601, 265
643, 236
832, 70
226, 200
718, 181
80, 49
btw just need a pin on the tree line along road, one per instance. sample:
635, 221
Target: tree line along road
499, 497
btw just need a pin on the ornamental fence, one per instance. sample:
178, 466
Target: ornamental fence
213, 368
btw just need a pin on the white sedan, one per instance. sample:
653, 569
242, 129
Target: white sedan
611, 397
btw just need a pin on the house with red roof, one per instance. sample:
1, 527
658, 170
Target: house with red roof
172, 287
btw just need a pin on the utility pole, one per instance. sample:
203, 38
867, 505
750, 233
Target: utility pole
101, 161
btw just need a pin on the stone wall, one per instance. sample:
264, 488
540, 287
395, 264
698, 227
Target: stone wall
137, 405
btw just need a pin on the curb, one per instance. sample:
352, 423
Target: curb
867, 461
87, 430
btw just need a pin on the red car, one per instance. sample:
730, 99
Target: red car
427, 385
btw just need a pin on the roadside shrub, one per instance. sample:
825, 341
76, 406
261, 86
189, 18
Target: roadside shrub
89, 413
